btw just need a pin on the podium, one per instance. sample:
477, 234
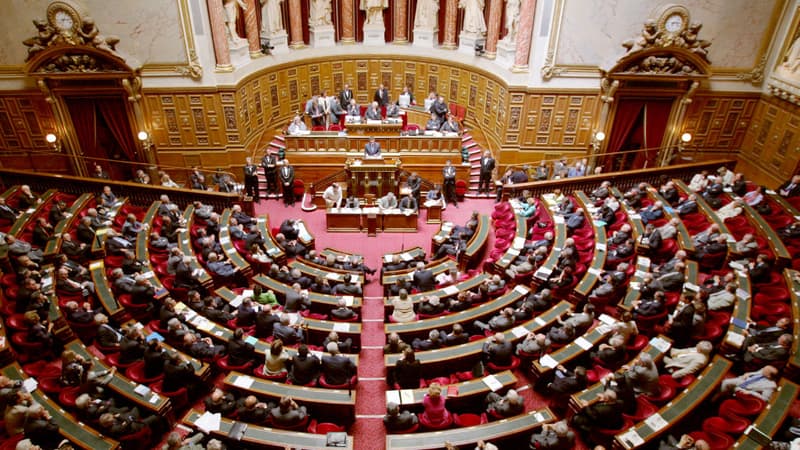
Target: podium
372, 176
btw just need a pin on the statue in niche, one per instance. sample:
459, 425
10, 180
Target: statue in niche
271, 18
320, 14
231, 17
512, 20
792, 59
473, 16
427, 15
650, 33
374, 9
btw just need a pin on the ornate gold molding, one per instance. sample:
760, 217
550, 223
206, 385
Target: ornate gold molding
755, 76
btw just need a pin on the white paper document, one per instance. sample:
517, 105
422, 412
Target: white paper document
583, 343
493, 383
548, 361
656, 422
243, 382
208, 422
519, 332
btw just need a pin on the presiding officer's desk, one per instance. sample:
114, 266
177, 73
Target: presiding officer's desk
325, 405
256, 436
356, 219
520, 427
76, 432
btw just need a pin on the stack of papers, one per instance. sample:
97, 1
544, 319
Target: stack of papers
208, 422
492, 382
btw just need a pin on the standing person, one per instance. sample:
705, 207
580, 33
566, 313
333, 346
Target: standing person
345, 95
381, 96
487, 166
287, 182
270, 164
251, 179
449, 182
414, 183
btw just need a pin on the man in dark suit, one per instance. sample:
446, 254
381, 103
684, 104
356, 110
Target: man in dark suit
288, 413
497, 350
239, 351
414, 183
790, 188
423, 278
336, 369
567, 382
500, 322
265, 321
42, 232
574, 220
345, 95
395, 420
687, 206
40, 428
7, 212
286, 175
605, 413
373, 149
449, 183
287, 333
408, 203
769, 353
251, 179
381, 96
487, 166
509, 405
270, 164
439, 108
304, 368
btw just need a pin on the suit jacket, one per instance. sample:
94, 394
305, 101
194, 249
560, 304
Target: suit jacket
286, 175
239, 352
408, 203
337, 369
449, 174
345, 96
575, 220
288, 418
372, 149
685, 362
499, 354
8, 213
424, 280
487, 164
387, 202
787, 191
177, 375
752, 383
304, 370
382, 97
288, 334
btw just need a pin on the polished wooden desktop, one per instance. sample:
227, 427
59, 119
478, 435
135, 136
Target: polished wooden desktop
357, 220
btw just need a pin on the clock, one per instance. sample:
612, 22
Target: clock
63, 17
674, 23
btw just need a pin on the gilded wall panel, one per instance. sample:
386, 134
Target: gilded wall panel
719, 122
770, 150
25, 119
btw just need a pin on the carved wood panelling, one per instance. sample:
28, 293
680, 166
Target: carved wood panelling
770, 150
25, 119
720, 121
192, 120
553, 120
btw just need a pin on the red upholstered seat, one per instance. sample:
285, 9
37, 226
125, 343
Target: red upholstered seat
178, 398
323, 427
136, 373
259, 372
468, 420
644, 409
717, 441
225, 366
733, 425
67, 396
113, 360
495, 368
742, 405
325, 384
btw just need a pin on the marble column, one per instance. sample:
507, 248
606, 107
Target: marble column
400, 22
251, 29
493, 31
524, 35
348, 35
296, 24
216, 15
450, 19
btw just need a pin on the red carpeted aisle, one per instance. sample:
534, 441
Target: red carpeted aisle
368, 431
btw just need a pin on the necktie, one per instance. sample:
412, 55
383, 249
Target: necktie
752, 380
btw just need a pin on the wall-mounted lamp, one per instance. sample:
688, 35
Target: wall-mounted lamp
597, 140
144, 138
52, 139
685, 139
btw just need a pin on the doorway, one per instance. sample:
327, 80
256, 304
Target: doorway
103, 129
637, 133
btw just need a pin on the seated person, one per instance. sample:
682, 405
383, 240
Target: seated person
605, 413
773, 352
435, 413
373, 112
250, 410
220, 402
353, 112
392, 111
388, 201
407, 372
435, 196
500, 322
372, 150
286, 332
511, 404
345, 345
687, 361
643, 375
336, 368
434, 341
456, 337
288, 414
451, 126
408, 204
239, 352
275, 359
534, 343
759, 383
202, 348
433, 124
497, 350
554, 436
304, 367
395, 420
297, 125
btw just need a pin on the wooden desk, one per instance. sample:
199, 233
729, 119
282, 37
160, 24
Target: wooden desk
75, 431
153, 402
185, 244
433, 213
322, 303
331, 405
656, 348
466, 285
265, 437
584, 287
227, 246
519, 242
462, 357
53, 246
570, 352
356, 219
104, 292
470, 394
420, 328
507, 429
335, 144
685, 403
274, 250
771, 418
335, 276
710, 214
438, 266
28, 214
792, 278
682, 234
